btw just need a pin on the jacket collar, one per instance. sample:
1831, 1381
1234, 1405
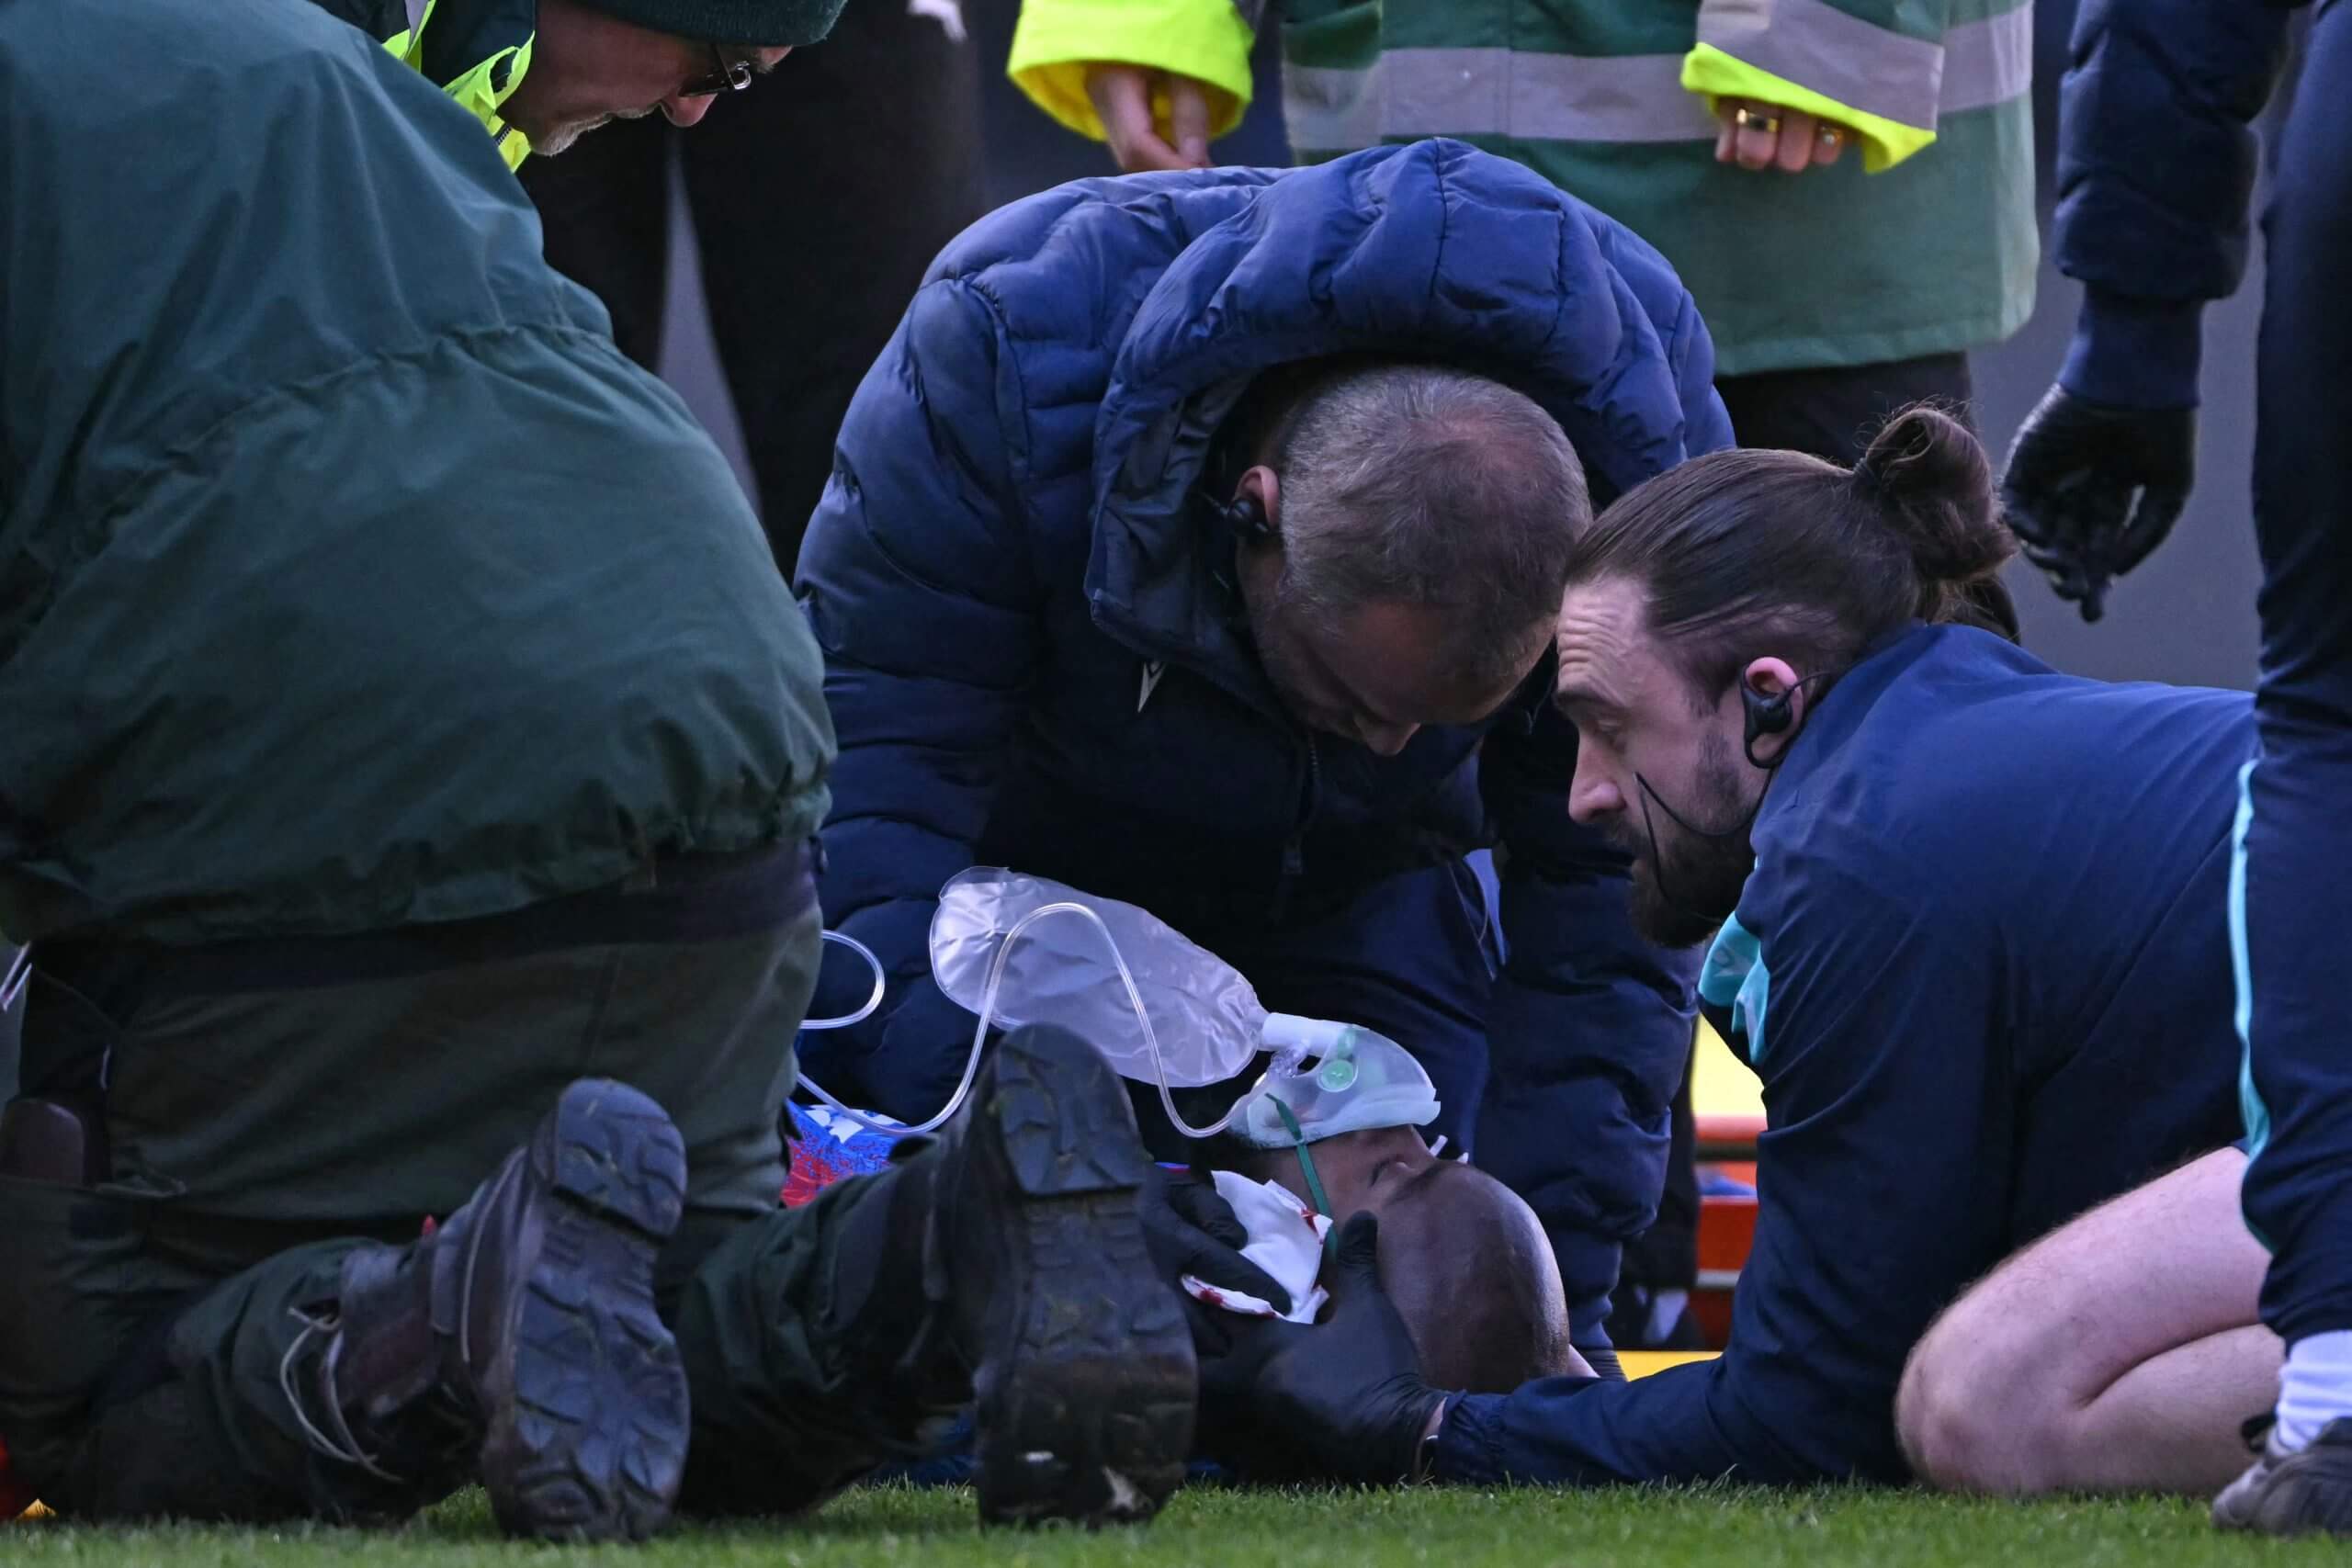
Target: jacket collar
1830, 722
460, 35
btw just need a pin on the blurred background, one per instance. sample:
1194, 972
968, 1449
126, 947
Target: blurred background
2185, 615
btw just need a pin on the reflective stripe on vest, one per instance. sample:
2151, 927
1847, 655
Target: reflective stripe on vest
1640, 97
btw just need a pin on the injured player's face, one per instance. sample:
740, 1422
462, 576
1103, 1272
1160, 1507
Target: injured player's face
1464, 1259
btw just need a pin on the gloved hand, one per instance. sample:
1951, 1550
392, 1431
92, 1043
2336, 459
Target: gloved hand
1191, 1230
1345, 1395
2090, 490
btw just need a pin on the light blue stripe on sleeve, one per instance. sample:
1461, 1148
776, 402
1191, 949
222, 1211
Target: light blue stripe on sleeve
2257, 1115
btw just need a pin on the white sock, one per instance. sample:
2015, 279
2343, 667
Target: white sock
2316, 1388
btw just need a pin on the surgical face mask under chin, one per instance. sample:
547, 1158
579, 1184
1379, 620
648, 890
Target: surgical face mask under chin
1017, 949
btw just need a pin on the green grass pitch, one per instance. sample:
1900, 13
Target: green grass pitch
1206, 1527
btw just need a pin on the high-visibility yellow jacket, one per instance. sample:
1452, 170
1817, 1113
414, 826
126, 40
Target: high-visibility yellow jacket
1924, 244
476, 50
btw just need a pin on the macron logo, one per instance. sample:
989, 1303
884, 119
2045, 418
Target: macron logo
1153, 668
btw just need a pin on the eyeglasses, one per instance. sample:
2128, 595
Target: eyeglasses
730, 76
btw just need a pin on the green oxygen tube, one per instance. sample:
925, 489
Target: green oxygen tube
1314, 1183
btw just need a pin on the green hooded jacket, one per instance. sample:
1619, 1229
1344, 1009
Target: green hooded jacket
349, 576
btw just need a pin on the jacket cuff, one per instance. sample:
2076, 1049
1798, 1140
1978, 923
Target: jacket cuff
1715, 74
1469, 1446
1588, 1321
1588, 1263
1055, 41
2135, 354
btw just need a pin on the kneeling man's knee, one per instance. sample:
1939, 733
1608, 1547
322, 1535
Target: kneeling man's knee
1942, 1434
1975, 1415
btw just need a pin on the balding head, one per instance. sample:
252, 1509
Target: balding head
1419, 521
1422, 485
1472, 1275
1464, 1259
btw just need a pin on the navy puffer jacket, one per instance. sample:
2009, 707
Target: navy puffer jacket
1035, 656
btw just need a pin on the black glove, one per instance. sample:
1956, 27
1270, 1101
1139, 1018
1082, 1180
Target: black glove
1344, 1396
1192, 1231
2090, 490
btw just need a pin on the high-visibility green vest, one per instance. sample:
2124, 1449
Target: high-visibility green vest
1924, 244
476, 50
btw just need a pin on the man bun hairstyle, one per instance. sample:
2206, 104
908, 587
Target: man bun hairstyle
1750, 552
1933, 483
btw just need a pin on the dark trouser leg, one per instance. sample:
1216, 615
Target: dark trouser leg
1833, 413
798, 1367
818, 199
1004, 1264
208, 1440
604, 206
1648, 1309
85, 1296
2295, 896
351, 1381
131, 1374
376, 1083
12, 1024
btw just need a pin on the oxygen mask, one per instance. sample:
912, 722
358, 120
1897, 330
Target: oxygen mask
1016, 949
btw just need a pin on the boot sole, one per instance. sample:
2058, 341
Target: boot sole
595, 1444
1087, 1413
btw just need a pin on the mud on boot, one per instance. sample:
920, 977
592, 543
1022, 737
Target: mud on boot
529, 1315
1082, 1366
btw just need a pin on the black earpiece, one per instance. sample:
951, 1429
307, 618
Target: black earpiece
1246, 515
1766, 712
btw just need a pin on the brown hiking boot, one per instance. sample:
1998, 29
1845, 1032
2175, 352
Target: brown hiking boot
525, 1324
1080, 1359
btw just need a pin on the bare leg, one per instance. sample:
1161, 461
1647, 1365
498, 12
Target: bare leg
2119, 1353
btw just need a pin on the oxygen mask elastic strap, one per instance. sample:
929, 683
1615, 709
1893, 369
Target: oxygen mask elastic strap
1315, 1192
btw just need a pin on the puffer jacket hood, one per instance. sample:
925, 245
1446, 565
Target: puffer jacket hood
1436, 250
